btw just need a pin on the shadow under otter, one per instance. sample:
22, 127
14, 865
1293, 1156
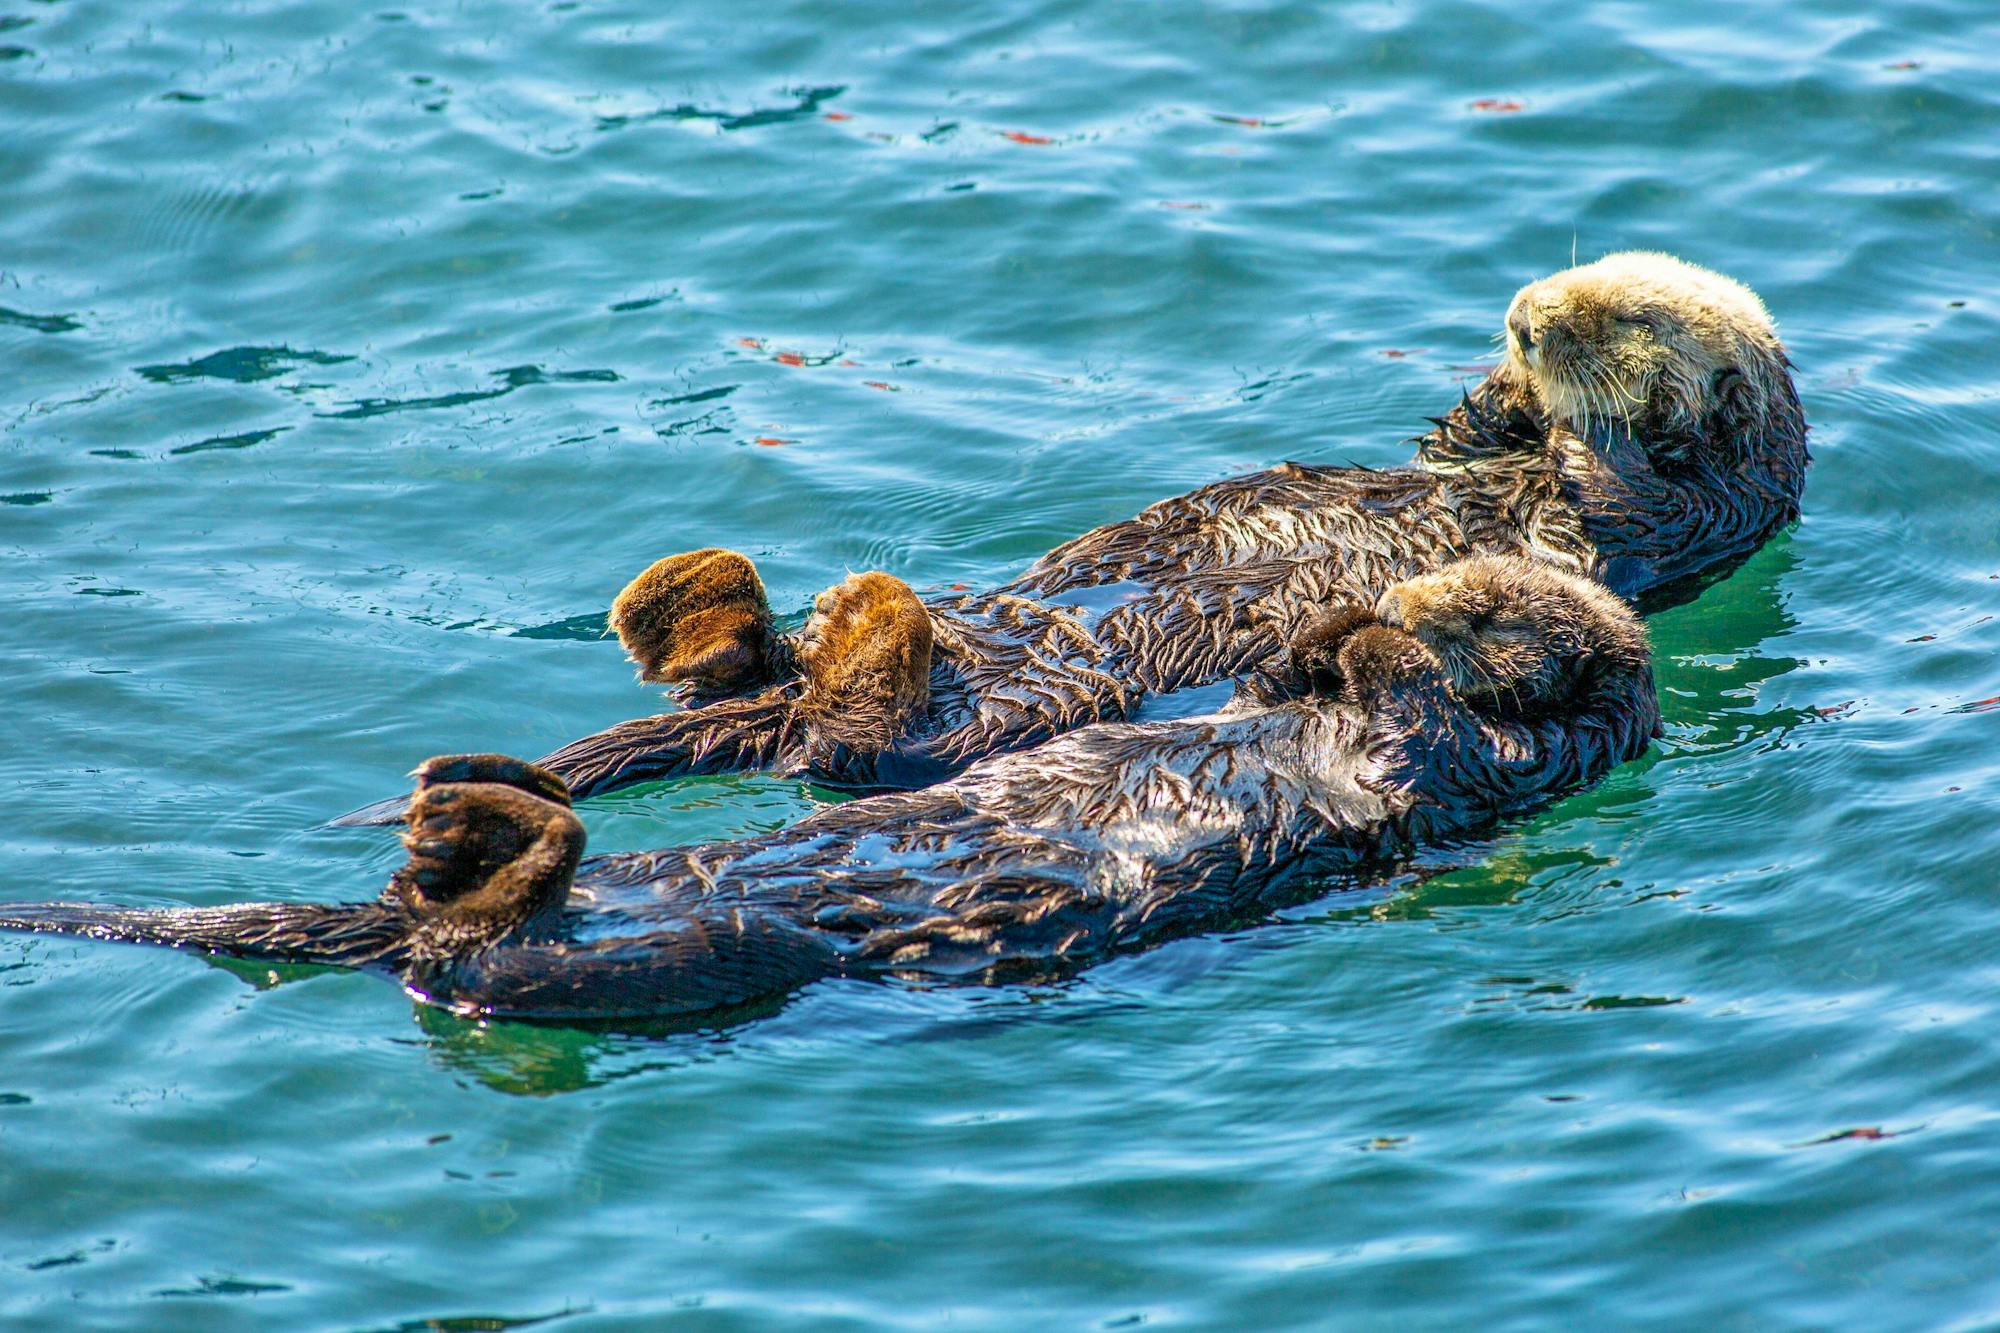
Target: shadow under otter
1463, 697
1643, 429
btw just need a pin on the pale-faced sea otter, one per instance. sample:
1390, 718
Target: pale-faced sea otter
1461, 697
1642, 427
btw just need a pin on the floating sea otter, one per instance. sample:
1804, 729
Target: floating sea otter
1463, 696
1643, 427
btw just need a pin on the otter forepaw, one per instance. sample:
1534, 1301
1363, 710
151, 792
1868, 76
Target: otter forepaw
1315, 649
1372, 657
700, 617
866, 658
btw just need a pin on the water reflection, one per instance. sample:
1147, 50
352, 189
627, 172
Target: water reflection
542, 1059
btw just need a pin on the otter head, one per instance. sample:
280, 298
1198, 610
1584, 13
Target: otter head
1514, 632
1672, 352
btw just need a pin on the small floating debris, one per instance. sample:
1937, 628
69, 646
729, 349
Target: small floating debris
1497, 106
1863, 1133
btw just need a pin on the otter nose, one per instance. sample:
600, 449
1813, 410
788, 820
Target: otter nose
1523, 335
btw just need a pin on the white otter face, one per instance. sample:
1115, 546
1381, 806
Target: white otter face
1641, 340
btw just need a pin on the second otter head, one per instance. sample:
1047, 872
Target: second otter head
1514, 632
1650, 342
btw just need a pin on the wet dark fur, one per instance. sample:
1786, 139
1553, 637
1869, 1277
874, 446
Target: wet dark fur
1699, 456
1213, 578
1357, 746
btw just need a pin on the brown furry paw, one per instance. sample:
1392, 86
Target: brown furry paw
1515, 633
1373, 656
1315, 649
866, 658
699, 617
501, 768
485, 856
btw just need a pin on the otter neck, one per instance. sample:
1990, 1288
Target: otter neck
1607, 507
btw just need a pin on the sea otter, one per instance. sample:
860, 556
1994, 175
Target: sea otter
1460, 697
1642, 427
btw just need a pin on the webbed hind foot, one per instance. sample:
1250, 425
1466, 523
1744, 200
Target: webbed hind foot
493, 845
701, 617
866, 658
501, 768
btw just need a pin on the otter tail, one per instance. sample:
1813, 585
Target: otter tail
347, 935
727, 736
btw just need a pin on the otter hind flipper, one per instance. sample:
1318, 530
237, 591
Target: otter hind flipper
500, 768
486, 857
866, 659
701, 618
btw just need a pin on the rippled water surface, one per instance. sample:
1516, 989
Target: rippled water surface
355, 357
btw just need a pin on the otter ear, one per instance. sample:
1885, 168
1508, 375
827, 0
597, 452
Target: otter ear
1734, 400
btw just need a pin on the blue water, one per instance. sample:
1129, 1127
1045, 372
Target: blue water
355, 357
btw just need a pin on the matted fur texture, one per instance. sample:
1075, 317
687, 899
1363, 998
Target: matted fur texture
1647, 431
1112, 837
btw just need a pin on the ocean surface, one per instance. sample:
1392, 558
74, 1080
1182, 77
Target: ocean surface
355, 356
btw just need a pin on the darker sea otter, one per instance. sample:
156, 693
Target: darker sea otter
1642, 428
1462, 697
